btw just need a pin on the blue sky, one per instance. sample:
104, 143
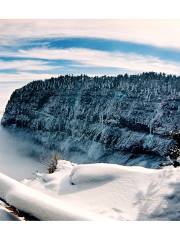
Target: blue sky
38, 49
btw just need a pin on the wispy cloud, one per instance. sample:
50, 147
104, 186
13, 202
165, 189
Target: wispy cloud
86, 57
163, 33
24, 76
26, 65
38, 49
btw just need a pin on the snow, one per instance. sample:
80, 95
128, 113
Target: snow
158, 115
97, 191
40, 205
6, 214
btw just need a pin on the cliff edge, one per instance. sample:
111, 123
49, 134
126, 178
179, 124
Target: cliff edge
130, 120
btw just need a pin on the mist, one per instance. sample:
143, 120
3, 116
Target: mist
19, 157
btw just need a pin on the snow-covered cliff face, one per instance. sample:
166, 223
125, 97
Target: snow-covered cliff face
131, 120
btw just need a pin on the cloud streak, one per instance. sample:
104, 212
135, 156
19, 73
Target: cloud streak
25, 65
38, 49
163, 33
25, 76
87, 57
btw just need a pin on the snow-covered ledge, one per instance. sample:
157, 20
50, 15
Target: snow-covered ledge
38, 204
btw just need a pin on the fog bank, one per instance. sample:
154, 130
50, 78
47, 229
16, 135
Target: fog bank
19, 158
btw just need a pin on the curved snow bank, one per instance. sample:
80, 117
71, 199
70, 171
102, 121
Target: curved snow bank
90, 173
114, 191
39, 204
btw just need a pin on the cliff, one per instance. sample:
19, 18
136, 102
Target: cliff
131, 120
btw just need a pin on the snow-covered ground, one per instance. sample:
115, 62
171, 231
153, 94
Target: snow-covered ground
6, 214
97, 191
38, 204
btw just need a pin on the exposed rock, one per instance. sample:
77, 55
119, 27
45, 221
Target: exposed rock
125, 119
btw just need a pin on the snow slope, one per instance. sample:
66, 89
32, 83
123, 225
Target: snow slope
97, 191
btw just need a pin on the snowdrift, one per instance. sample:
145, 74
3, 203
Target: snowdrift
38, 204
96, 192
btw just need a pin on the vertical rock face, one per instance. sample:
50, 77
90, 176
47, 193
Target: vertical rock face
133, 120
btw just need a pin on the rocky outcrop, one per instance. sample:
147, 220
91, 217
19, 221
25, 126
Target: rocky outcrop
125, 119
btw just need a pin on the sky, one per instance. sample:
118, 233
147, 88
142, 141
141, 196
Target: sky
39, 49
